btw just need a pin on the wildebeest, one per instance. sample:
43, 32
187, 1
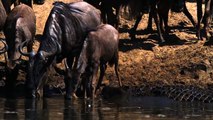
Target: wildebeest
20, 28
64, 33
8, 3
98, 49
3, 16
207, 17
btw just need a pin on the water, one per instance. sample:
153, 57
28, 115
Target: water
126, 108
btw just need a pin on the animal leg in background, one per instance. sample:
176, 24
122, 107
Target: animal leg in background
157, 22
207, 15
188, 15
133, 30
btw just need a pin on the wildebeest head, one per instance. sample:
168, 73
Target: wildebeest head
178, 5
38, 65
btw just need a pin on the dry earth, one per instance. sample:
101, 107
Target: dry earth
182, 60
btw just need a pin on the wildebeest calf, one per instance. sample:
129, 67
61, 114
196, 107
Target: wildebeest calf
100, 47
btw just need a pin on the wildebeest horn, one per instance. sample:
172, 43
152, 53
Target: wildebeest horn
20, 48
5, 48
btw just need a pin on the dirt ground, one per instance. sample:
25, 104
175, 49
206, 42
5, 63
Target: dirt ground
182, 60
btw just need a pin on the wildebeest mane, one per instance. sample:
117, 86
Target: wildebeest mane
62, 24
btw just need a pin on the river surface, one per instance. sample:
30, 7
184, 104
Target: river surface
123, 108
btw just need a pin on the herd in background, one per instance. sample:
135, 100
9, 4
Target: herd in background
157, 9
75, 32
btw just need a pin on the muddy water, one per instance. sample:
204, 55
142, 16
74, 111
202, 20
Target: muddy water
128, 108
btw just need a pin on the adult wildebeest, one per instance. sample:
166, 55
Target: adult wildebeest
98, 49
207, 17
8, 3
20, 28
64, 34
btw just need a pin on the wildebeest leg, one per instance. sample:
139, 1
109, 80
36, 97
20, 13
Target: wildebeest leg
67, 79
93, 79
133, 30
199, 17
208, 10
103, 68
116, 69
156, 18
164, 21
149, 27
117, 18
188, 15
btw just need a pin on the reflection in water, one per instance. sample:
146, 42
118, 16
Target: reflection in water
10, 109
127, 108
36, 109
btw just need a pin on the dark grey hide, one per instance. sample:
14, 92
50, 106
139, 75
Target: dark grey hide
20, 27
64, 33
100, 48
